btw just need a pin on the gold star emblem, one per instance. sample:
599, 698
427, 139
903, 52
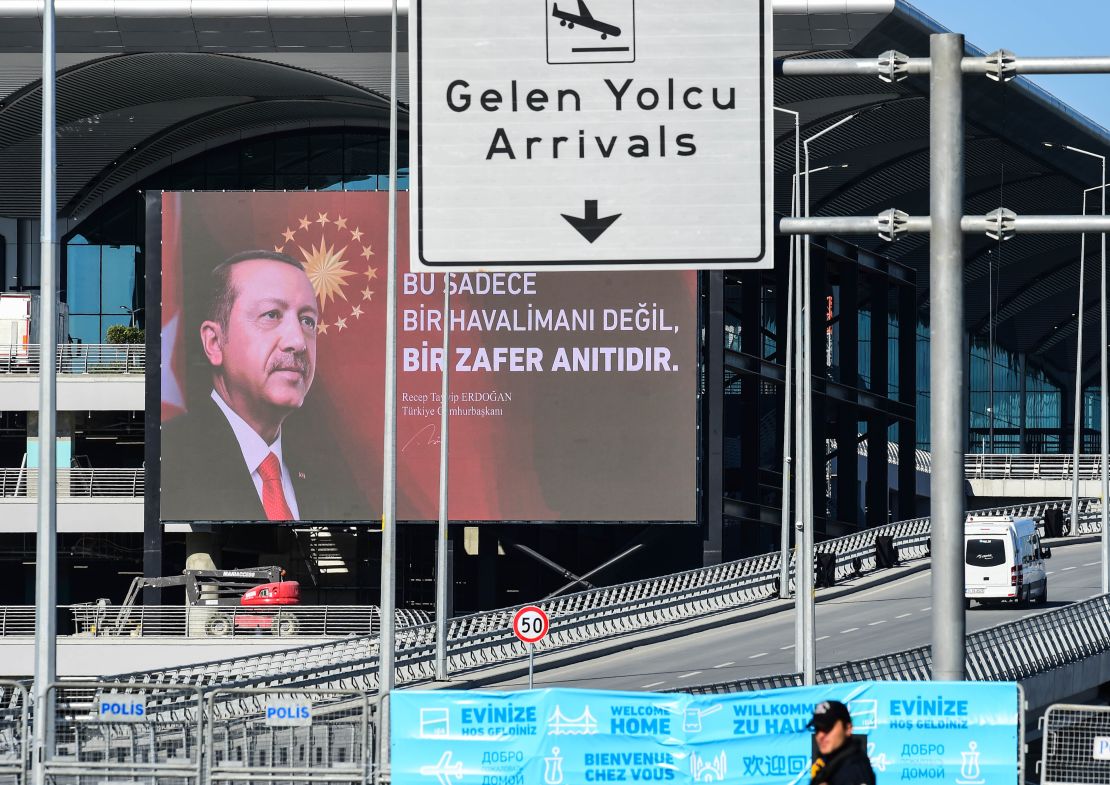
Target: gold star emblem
279, 249
305, 223
366, 252
321, 328
288, 234
367, 294
341, 324
356, 235
322, 219
357, 312
371, 273
341, 222
326, 269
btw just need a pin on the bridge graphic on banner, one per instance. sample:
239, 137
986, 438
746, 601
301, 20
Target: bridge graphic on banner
558, 724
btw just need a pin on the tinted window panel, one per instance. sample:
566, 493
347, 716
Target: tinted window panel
986, 552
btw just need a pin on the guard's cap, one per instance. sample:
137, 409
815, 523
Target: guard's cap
827, 713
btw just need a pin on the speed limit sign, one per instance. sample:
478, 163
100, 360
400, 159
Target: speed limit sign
530, 624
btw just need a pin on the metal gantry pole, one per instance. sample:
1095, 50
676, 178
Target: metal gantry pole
1104, 390
1077, 424
46, 544
386, 645
947, 375
804, 566
801, 338
441, 535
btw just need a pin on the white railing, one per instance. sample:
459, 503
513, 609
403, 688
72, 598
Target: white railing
1016, 466
76, 358
212, 622
75, 483
485, 639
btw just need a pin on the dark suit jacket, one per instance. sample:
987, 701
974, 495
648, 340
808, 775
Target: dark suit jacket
204, 477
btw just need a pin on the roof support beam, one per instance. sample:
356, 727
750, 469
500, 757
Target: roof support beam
324, 9
1003, 220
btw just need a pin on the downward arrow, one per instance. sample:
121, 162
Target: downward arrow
591, 227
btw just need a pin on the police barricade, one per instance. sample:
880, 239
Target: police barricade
288, 736
1075, 747
14, 736
139, 733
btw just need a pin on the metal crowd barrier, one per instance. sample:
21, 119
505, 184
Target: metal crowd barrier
107, 731
85, 358
1075, 747
485, 639
14, 734
288, 736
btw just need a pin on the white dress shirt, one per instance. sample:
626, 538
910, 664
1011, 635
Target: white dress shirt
255, 450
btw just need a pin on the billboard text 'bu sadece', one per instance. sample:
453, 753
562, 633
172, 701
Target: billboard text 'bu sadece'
573, 395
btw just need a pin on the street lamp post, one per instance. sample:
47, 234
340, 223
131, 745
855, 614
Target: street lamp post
1077, 419
790, 392
1104, 448
131, 312
804, 595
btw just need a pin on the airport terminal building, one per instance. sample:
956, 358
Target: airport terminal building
186, 136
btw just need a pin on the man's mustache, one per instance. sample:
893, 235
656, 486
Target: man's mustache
289, 362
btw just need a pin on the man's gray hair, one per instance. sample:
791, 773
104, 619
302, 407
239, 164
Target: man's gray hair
222, 293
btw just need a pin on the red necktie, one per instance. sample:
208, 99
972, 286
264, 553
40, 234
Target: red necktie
273, 495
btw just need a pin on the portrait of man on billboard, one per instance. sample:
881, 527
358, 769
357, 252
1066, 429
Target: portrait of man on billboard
258, 336
272, 364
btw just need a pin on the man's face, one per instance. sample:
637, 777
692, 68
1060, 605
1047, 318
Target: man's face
833, 739
267, 354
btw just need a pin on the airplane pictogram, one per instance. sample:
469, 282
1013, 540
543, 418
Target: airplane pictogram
585, 19
444, 770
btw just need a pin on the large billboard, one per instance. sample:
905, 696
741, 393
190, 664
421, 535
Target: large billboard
572, 395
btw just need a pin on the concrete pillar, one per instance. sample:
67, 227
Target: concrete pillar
907, 393
8, 251
27, 254
713, 426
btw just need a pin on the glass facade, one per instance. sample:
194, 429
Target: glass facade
102, 260
1014, 407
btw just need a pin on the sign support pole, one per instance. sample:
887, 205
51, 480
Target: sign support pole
441, 534
947, 375
789, 459
531, 656
46, 541
386, 674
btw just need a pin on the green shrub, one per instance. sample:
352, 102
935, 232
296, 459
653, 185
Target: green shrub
121, 333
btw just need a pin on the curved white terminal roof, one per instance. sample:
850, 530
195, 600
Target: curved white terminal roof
144, 83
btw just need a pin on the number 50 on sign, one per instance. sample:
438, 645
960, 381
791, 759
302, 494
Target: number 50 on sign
531, 624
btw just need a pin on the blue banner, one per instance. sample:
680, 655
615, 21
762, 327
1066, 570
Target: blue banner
952, 732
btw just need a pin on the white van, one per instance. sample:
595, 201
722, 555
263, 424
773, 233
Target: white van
1003, 560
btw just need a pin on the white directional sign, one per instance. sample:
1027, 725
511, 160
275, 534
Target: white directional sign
594, 134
